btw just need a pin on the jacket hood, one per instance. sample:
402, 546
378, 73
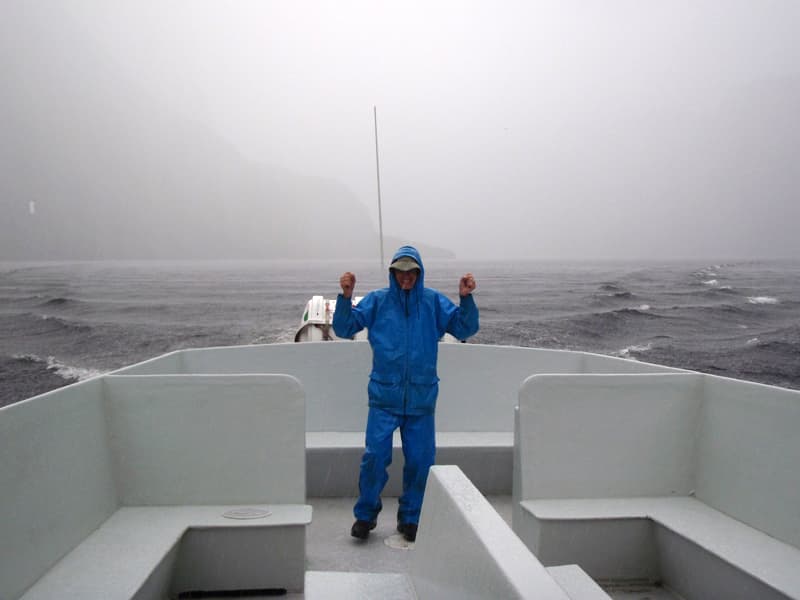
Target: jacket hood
410, 252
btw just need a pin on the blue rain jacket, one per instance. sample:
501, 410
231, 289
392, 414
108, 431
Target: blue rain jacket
404, 332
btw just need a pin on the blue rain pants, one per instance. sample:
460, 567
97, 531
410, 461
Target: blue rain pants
419, 450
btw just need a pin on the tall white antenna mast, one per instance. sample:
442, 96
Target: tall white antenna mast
378, 169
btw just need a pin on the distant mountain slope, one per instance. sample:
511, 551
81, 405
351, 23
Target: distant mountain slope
91, 167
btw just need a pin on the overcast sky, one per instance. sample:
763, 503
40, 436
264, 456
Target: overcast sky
506, 129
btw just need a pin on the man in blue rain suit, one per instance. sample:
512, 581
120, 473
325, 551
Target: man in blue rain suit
405, 322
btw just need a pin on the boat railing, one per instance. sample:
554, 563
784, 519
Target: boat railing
474, 416
477, 390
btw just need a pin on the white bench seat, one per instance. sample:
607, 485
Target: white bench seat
333, 459
120, 557
128, 501
774, 563
686, 480
444, 439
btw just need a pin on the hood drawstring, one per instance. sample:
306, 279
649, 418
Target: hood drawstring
407, 296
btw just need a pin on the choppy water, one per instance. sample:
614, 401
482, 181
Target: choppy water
64, 321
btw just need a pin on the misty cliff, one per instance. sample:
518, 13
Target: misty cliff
91, 167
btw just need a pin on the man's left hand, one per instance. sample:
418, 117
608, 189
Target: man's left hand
466, 285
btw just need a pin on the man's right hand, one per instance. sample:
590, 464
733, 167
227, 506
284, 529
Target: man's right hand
348, 282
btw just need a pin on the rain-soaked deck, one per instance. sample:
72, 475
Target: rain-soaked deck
329, 546
139, 438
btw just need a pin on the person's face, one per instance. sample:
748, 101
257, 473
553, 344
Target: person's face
406, 279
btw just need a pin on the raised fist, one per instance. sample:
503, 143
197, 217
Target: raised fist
348, 281
466, 285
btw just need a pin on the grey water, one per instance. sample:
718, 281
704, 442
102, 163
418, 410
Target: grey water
65, 321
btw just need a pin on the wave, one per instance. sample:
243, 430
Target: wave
709, 271
642, 310
783, 340
720, 289
714, 286
67, 372
762, 300
63, 323
633, 349
27, 298
728, 309
584, 331
60, 301
31, 324
780, 347
600, 325
614, 291
284, 336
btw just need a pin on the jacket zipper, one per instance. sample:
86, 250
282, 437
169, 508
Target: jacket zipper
408, 348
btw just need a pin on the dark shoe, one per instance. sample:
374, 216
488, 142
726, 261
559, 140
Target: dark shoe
409, 531
361, 529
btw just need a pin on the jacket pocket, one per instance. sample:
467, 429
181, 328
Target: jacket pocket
423, 379
385, 390
422, 393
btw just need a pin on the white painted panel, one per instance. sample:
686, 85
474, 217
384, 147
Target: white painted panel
466, 550
56, 484
198, 439
479, 384
334, 376
584, 436
749, 455
477, 390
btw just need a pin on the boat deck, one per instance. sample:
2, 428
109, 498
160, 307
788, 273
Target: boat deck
721, 454
329, 546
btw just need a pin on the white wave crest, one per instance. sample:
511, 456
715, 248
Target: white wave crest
30, 357
711, 282
640, 307
68, 372
59, 368
752, 341
762, 300
711, 271
626, 352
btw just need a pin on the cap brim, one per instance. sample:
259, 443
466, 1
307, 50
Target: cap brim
404, 264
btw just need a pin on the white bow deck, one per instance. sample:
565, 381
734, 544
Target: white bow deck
282, 425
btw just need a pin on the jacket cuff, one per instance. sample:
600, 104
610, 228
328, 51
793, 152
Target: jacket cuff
467, 301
